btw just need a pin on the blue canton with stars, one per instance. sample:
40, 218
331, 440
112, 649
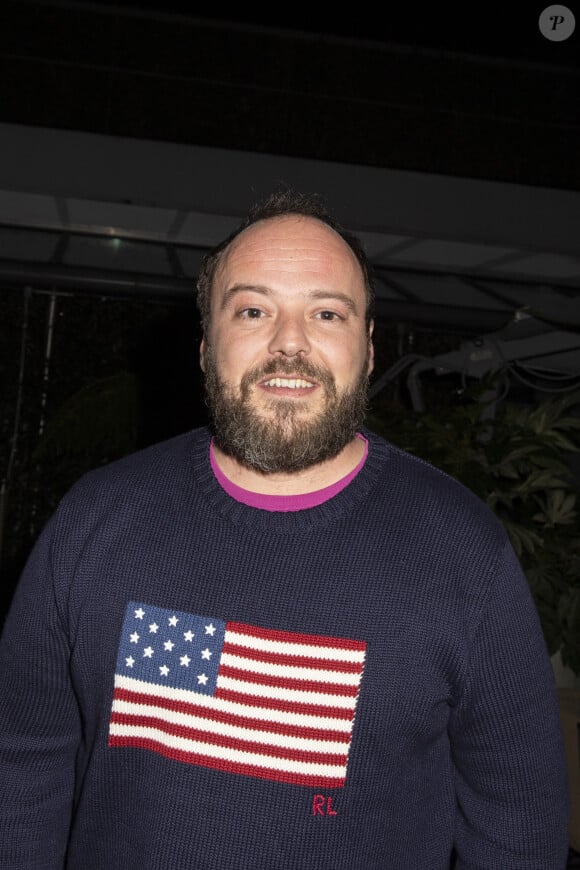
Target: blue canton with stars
171, 648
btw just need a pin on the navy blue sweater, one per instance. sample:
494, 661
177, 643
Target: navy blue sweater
188, 682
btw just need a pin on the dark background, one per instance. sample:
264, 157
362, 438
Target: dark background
478, 93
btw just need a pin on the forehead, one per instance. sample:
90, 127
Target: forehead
292, 248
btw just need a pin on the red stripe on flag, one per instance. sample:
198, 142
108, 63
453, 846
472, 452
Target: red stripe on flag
288, 682
289, 659
140, 699
243, 745
311, 780
288, 706
294, 638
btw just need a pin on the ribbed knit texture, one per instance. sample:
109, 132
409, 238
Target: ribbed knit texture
456, 735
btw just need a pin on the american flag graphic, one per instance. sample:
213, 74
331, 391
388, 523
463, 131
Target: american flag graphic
259, 702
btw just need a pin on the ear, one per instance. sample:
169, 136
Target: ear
371, 347
202, 352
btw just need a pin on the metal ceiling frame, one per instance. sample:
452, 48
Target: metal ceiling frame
89, 213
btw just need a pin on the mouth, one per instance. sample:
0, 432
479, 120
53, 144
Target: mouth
287, 386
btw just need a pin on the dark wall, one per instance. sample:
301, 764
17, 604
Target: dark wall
175, 78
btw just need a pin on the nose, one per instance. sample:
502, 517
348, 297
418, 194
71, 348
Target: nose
289, 337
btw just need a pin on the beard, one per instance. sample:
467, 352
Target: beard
279, 440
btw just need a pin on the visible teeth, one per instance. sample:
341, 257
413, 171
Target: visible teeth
291, 383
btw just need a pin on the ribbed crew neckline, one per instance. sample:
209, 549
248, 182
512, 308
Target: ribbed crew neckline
280, 522
301, 501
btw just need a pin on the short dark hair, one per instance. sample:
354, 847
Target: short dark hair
278, 204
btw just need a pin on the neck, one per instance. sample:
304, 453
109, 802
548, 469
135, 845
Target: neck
296, 482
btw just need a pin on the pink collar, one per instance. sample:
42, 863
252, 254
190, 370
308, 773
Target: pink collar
284, 502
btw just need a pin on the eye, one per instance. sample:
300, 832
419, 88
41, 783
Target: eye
329, 316
251, 313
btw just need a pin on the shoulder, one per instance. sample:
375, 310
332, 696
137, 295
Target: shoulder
449, 540
147, 475
429, 497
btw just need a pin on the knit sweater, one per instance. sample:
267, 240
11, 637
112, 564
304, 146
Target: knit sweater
191, 682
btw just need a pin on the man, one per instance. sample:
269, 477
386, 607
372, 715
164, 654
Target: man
281, 642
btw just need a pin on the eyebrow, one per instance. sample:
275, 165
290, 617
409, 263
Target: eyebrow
266, 291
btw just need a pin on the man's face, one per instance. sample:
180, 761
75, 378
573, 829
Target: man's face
286, 354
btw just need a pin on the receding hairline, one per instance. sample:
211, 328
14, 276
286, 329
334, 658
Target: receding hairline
296, 217
286, 204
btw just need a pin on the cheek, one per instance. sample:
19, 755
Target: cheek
232, 357
239, 354
347, 358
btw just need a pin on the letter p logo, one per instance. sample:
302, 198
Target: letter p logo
557, 23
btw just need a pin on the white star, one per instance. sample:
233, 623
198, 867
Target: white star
173, 620
148, 652
210, 629
139, 614
206, 653
188, 635
134, 637
184, 660
168, 645
153, 628
163, 670
130, 661
201, 679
